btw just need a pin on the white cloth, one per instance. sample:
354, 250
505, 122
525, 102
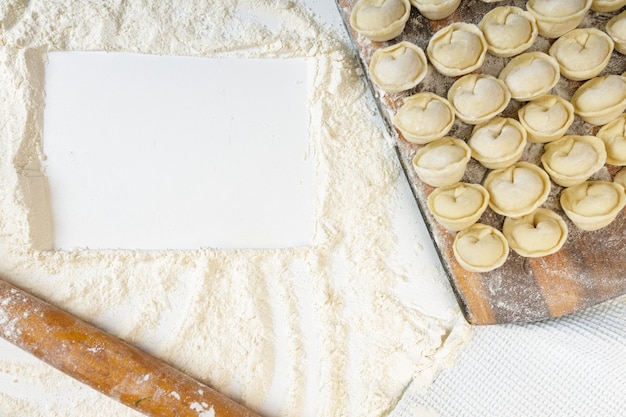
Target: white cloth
569, 366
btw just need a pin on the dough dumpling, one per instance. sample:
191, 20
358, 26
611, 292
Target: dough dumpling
508, 30
540, 233
530, 75
546, 118
604, 6
498, 143
613, 135
582, 53
458, 206
593, 205
442, 162
517, 190
573, 159
477, 98
480, 248
457, 49
616, 28
601, 99
380, 20
398, 67
557, 17
436, 9
424, 117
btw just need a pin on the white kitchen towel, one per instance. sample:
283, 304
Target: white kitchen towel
570, 366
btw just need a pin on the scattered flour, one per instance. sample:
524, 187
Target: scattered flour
327, 320
202, 411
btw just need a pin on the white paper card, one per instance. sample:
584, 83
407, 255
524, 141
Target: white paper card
157, 152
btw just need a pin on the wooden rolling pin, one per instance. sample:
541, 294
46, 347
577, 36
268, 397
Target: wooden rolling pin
106, 363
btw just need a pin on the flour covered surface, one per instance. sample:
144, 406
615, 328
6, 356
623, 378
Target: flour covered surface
335, 328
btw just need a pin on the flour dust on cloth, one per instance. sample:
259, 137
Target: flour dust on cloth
570, 366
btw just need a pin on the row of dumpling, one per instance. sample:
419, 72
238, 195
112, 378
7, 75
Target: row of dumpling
517, 191
477, 98
383, 20
460, 48
425, 117
481, 248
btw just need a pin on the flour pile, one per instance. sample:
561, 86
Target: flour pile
311, 331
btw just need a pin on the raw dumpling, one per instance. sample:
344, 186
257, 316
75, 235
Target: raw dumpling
530, 75
477, 98
398, 67
620, 177
436, 9
380, 20
557, 17
458, 206
498, 143
442, 162
571, 160
546, 118
616, 28
592, 205
508, 30
604, 6
517, 190
457, 49
582, 53
424, 117
480, 248
601, 99
613, 135
540, 233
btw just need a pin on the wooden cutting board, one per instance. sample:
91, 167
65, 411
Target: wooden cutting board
590, 268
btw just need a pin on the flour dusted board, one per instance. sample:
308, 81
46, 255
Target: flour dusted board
590, 266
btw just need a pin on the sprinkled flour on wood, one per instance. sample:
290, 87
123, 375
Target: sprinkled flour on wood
312, 331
